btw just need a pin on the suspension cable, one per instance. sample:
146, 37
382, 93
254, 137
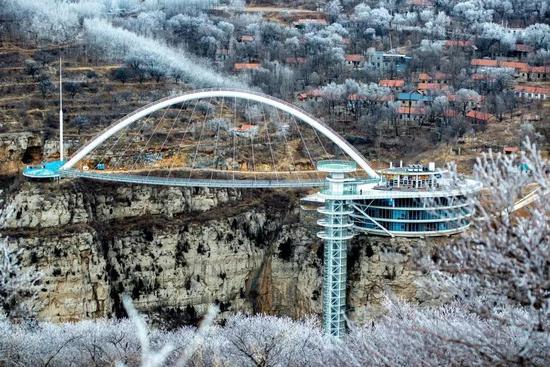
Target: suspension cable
269, 142
199, 142
150, 137
287, 145
169, 132
234, 137
217, 139
183, 137
306, 147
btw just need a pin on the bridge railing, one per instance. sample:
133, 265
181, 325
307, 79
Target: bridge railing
214, 183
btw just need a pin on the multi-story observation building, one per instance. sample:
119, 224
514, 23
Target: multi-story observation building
410, 201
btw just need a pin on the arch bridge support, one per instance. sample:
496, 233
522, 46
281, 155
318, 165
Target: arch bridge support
223, 93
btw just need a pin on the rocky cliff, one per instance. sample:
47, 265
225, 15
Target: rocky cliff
175, 251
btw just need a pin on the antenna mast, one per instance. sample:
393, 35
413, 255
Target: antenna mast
60, 113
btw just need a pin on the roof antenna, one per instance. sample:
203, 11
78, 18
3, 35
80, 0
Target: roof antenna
60, 112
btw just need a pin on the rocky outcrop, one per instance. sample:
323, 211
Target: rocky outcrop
17, 149
176, 251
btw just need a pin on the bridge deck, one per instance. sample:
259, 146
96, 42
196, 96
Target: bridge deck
165, 181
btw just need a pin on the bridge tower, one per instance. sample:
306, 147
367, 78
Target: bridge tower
337, 231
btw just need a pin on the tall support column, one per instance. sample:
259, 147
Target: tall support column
337, 231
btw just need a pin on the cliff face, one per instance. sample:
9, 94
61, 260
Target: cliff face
175, 251
15, 148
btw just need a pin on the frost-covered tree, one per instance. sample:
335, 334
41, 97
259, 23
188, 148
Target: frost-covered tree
333, 10
537, 35
465, 98
472, 12
377, 18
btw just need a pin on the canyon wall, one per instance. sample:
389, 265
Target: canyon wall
175, 251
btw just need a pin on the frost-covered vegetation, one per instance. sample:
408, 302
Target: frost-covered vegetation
492, 285
201, 42
103, 24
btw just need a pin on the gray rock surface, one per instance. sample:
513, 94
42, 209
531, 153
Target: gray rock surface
175, 251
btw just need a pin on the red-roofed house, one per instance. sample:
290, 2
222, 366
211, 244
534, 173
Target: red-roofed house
477, 117
431, 87
520, 50
313, 94
392, 83
411, 113
510, 150
246, 130
438, 77
532, 92
354, 60
484, 63
518, 66
537, 73
246, 66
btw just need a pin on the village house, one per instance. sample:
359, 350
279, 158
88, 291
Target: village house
437, 78
386, 62
532, 92
431, 88
411, 113
520, 51
395, 84
354, 60
413, 99
523, 71
478, 117
536, 73
510, 150
310, 95
243, 66
246, 130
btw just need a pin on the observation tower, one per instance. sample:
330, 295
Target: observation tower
337, 231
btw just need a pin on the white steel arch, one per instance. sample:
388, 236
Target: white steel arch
229, 93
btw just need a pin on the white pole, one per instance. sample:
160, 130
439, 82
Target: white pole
60, 113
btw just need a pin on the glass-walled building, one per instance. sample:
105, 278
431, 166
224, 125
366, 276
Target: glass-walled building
415, 201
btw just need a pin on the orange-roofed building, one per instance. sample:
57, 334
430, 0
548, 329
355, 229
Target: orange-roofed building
510, 150
431, 87
392, 83
532, 92
476, 116
246, 66
484, 63
438, 77
411, 113
535, 73
246, 130
518, 66
313, 94
354, 60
